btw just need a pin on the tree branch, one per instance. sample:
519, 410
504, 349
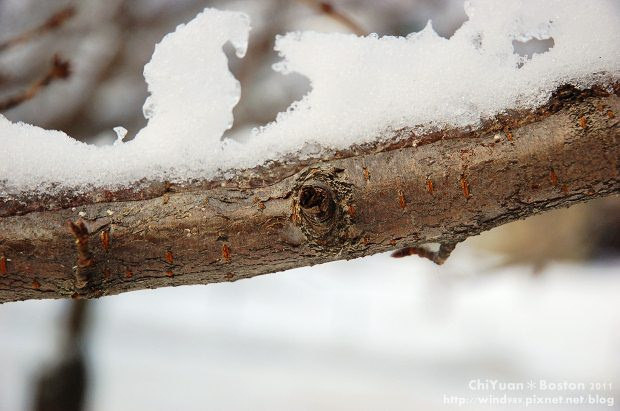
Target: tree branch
54, 22
59, 69
441, 187
328, 9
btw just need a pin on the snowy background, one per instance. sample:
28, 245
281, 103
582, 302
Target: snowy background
533, 300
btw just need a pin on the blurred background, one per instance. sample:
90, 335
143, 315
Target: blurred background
531, 300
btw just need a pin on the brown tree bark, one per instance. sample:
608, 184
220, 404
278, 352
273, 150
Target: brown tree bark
441, 187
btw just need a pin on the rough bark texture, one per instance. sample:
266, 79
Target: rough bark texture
442, 188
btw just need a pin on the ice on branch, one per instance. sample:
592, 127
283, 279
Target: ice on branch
362, 87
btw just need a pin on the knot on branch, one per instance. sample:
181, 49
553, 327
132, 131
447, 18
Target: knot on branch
322, 198
318, 207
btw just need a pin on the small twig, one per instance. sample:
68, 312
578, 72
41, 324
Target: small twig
438, 257
329, 10
85, 257
52, 23
60, 69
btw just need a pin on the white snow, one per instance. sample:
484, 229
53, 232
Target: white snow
362, 87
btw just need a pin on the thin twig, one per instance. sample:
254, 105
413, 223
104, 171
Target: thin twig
52, 23
329, 10
85, 257
60, 69
438, 257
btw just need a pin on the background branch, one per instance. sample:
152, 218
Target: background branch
328, 9
54, 22
59, 69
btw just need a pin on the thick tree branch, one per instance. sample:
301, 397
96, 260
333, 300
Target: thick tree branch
442, 188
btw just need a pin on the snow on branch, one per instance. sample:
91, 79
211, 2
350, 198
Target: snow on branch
443, 190
363, 89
